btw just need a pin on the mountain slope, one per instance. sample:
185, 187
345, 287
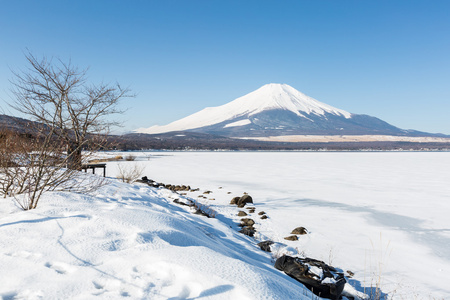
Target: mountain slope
278, 109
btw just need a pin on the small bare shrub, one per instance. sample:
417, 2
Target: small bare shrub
130, 174
377, 271
130, 158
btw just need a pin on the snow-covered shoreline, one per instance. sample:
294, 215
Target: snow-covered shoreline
129, 241
132, 241
369, 212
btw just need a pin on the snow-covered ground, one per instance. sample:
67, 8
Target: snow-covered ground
382, 216
132, 242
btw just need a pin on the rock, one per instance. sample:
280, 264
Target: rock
207, 192
323, 280
177, 201
244, 200
248, 231
350, 274
291, 238
212, 198
265, 246
247, 222
242, 213
228, 192
202, 213
264, 217
235, 200
261, 213
299, 230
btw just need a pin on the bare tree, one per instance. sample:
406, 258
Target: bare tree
32, 165
59, 96
69, 116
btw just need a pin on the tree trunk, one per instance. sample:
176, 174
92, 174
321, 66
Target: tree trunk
74, 156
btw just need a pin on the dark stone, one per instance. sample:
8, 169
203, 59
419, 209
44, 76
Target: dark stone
235, 200
244, 200
181, 203
261, 213
248, 231
202, 213
299, 230
242, 213
264, 217
299, 269
247, 222
207, 192
265, 246
291, 238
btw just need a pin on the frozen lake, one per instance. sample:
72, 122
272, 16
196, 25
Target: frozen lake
379, 214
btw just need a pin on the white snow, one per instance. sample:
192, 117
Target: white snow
129, 241
380, 215
238, 123
269, 96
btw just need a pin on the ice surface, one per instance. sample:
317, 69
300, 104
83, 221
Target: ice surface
368, 212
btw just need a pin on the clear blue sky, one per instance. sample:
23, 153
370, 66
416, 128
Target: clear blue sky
389, 59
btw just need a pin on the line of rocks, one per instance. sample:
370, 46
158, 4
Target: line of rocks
172, 187
297, 268
327, 283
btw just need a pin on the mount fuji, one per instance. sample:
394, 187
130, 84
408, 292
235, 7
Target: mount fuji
276, 110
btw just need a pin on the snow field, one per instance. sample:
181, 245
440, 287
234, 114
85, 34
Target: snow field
382, 216
129, 241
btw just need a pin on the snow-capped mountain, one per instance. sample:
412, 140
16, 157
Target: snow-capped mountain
277, 109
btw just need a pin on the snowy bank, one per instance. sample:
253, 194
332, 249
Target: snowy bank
129, 241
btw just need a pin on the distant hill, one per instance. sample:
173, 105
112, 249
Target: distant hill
187, 140
277, 110
16, 124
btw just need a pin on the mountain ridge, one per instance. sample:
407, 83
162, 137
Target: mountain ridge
279, 109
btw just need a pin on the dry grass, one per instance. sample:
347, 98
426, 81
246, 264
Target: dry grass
130, 174
130, 158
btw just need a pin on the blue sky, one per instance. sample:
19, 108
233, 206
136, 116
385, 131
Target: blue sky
389, 59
